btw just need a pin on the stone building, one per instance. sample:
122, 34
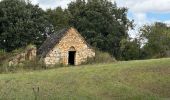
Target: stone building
67, 47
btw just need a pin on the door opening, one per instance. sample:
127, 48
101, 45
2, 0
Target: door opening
71, 58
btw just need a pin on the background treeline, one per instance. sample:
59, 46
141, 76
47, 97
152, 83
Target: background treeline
103, 24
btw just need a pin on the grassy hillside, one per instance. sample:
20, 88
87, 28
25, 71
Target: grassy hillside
133, 80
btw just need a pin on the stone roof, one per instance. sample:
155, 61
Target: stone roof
50, 42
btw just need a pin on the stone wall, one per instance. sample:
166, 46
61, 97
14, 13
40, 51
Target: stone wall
53, 57
59, 54
28, 54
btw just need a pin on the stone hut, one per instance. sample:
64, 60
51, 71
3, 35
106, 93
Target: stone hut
66, 47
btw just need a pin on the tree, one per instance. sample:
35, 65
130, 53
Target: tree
130, 49
21, 23
158, 40
58, 18
101, 22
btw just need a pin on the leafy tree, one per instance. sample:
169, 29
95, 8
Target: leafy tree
21, 23
158, 40
58, 18
101, 22
130, 49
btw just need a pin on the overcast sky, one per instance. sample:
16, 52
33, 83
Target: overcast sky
142, 11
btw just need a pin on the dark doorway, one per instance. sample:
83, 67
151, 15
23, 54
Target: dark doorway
71, 58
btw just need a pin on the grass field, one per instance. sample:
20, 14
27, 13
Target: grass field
132, 80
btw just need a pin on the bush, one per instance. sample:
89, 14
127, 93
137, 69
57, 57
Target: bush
100, 57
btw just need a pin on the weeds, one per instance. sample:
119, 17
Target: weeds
101, 57
36, 92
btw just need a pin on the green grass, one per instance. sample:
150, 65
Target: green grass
132, 80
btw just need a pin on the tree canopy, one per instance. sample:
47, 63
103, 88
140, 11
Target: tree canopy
157, 36
21, 23
58, 17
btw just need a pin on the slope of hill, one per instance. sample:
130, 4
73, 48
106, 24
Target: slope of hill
133, 80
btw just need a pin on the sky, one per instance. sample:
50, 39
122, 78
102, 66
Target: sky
142, 11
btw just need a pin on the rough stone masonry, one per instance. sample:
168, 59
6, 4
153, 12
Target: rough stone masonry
67, 46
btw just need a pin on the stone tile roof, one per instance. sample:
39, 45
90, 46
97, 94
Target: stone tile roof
50, 42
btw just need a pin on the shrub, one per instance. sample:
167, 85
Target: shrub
100, 57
